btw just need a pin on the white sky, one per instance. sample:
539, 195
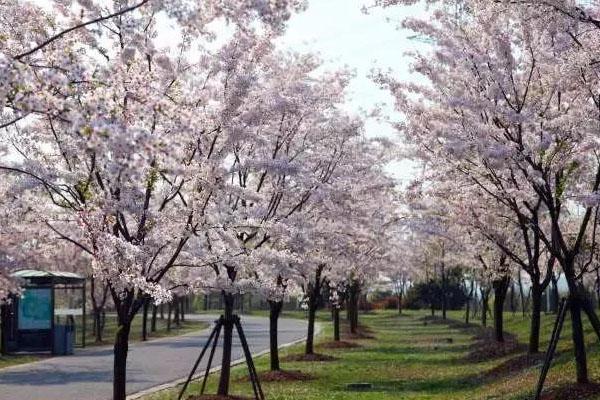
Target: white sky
342, 35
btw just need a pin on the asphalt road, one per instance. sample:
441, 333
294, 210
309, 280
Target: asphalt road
87, 375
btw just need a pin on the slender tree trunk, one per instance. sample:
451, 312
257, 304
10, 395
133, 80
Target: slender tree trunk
182, 309
522, 294
223, 389
153, 323
121, 349
274, 313
484, 308
353, 305
578, 340
588, 308
162, 311
444, 296
4, 329
177, 306
400, 302
310, 336
313, 292
500, 289
336, 324
98, 325
554, 301
597, 285
169, 310
536, 310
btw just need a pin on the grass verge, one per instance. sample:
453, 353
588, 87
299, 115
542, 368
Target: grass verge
412, 358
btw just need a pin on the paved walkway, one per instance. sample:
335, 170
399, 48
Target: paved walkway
87, 375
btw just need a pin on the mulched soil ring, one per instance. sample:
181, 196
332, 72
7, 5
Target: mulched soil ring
284, 376
485, 346
341, 344
572, 392
215, 397
514, 365
309, 357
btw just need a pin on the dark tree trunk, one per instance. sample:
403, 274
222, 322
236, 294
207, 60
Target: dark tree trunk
336, 324
98, 312
597, 285
500, 289
120, 359
400, 303
576, 302
228, 300
536, 310
3, 329
310, 335
182, 309
274, 313
554, 301
485, 298
513, 306
153, 323
578, 340
162, 311
98, 325
522, 295
588, 308
354, 295
348, 311
444, 299
145, 319
177, 305
313, 292
169, 310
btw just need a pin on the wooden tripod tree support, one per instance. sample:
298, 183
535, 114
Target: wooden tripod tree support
558, 325
214, 339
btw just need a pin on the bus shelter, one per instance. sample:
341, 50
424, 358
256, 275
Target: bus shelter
45, 316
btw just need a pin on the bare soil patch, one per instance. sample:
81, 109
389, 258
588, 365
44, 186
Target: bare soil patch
284, 376
572, 392
514, 365
216, 397
485, 346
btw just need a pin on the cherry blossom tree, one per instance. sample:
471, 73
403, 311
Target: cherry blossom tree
512, 97
113, 129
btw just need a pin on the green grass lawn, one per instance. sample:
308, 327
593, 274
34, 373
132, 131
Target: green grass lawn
10, 360
412, 360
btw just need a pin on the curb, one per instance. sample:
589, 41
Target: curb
172, 384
